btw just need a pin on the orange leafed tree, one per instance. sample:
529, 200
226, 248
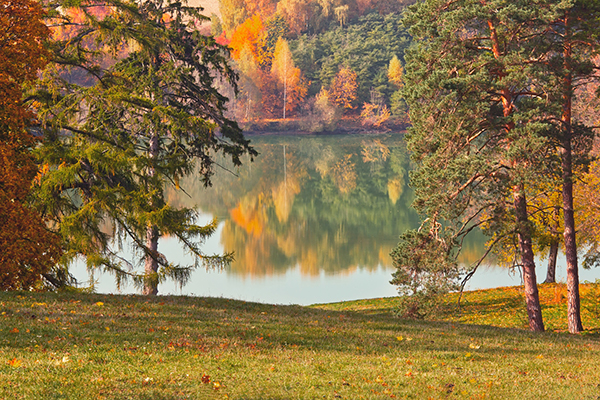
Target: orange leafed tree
343, 88
27, 249
246, 36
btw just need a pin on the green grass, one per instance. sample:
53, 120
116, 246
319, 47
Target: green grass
66, 346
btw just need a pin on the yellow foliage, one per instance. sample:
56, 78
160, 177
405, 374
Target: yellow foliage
248, 218
344, 174
396, 72
374, 151
283, 197
395, 188
343, 88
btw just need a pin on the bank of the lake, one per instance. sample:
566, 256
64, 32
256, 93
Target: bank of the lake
88, 346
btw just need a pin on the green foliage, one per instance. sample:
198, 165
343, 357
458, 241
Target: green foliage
135, 126
398, 105
426, 269
481, 133
364, 47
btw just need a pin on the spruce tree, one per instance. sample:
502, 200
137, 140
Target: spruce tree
131, 105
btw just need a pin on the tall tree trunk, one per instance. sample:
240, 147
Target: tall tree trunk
573, 300
151, 263
532, 298
554, 244
552, 256
152, 235
284, 84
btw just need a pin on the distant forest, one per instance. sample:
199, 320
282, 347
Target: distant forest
315, 61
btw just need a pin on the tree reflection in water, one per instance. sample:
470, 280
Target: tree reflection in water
323, 203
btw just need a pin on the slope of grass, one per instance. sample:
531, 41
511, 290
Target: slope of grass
65, 346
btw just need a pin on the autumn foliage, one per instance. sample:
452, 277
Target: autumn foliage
28, 249
247, 36
344, 87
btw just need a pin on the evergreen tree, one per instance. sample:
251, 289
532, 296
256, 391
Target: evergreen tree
479, 136
572, 43
144, 112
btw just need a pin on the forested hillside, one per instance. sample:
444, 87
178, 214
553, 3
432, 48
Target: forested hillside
315, 60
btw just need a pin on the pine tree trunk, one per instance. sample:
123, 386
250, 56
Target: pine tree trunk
552, 256
573, 300
151, 265
532, 299
554, 244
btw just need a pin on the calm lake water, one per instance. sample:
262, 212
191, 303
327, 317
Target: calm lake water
312, 220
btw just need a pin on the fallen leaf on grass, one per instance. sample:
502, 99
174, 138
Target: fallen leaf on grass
14, 330
99, 304
205, 378
14, 363
474, 346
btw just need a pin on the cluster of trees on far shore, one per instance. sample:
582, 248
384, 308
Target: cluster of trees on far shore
314, 60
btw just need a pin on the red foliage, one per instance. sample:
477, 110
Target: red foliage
28, 248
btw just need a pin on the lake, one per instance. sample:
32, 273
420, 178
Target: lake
312, 220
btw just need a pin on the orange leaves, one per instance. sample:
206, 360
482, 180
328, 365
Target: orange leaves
247, 36
14, 363
21, 43
248, 218
344, 87
28, 249
206, 380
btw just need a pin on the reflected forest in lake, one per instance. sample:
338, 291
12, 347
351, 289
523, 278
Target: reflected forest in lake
327, 204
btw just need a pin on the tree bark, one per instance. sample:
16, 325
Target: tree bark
573, 300
151, 264
552, 256
152, 235
554, 244
532, 299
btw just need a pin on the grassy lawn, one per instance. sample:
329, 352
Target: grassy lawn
65, 346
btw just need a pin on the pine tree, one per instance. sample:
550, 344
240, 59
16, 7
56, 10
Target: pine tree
144, 112
479, 136
573, 42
